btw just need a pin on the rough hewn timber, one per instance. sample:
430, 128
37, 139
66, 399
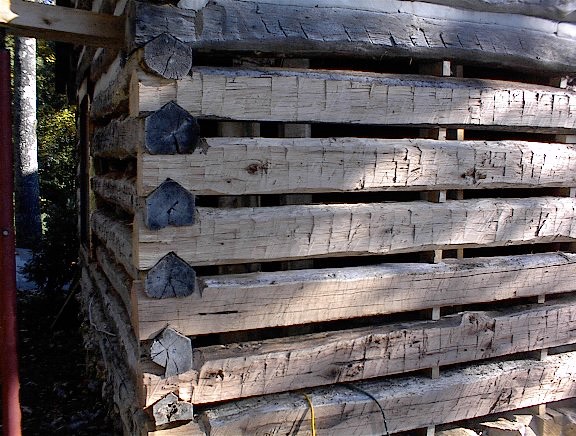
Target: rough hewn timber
260, 300
169, 205
171, 130
101, 335
273, 94
111, 92
118, 139
365, 29
116, 189
170, 410
551, 9
408, 403
117, 276
240, 166
168, 56
171, 277
245, 369
172, 351
191, 428
117, 237
227, 236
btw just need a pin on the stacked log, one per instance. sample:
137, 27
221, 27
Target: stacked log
298, 208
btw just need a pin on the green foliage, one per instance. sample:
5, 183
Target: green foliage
54, 261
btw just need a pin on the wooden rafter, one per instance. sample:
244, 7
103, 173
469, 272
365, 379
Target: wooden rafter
61, 23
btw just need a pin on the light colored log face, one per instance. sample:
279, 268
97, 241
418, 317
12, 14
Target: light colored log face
342, 97
260, 300
277, 365
227, 236
238, 166
408, 402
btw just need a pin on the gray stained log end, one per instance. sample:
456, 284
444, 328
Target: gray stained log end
172, 351
171, 130
171, 277
170, 409
168, 56
169, 205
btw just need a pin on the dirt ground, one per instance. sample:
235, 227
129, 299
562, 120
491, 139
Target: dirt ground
61, 393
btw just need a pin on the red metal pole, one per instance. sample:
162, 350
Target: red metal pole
11, 417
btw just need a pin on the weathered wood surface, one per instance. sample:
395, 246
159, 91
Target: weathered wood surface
260, 300
171, 130
239, 166
168, 56
245, 369
170, 410
116, 189
126, 392
169, 205
119, 139
171, 277
117, 276
227, 236
172, 351
51, 22
364, 28
118, 317
408, 403
551, 9
273, 94
117, 237
191, 428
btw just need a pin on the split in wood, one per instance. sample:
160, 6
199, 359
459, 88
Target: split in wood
170, 277
171, 130
170, 409
169, 205
172, 351
168, 56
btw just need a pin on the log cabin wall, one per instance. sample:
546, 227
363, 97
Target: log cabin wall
364, 210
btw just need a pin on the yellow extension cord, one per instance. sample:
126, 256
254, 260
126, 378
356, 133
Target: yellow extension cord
312, 414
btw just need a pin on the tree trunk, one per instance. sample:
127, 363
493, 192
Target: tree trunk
27, 191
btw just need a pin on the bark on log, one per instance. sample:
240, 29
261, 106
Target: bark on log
408, 403
261, 300
171, 277
243, 235
276, 365
240, 166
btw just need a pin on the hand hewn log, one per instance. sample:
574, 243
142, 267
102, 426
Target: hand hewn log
242, 235
119, 139
168, 56
408, 403
116, 189
240, 166
170, 409
170, 277
172, 351
367, 29
117, 237
169, 205
273, 94
262, 300
222, 373
171, 130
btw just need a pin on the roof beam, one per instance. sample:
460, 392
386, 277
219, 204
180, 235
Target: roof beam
60, 23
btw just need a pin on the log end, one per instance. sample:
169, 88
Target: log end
168, 57
171, 277
169, 205
171, 130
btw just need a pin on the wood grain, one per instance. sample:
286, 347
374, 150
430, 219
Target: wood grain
240, 166
365, 29
271, 94
242, 235
245, 369
408, 403
261, 300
